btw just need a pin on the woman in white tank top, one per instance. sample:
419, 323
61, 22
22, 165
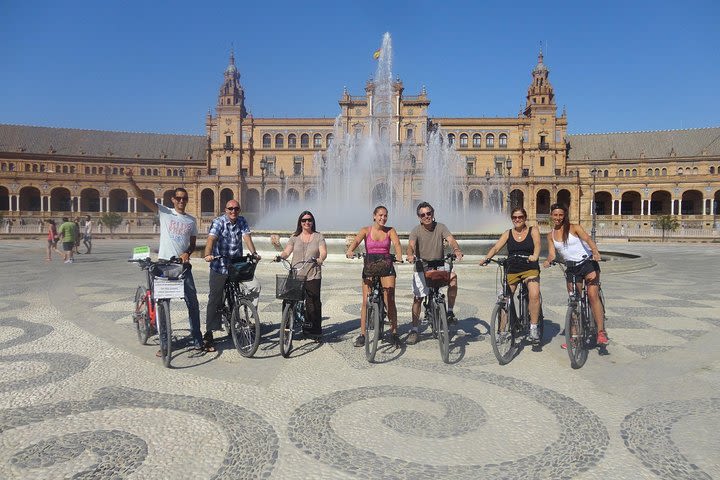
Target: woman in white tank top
575, 245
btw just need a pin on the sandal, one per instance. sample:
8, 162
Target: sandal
209, 346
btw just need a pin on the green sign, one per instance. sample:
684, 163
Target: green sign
141, 253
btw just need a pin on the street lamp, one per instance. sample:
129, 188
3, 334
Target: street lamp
263, 167
282, 185
594, 173
182, 176
508, 165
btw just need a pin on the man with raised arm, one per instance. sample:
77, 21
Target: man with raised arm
224, 245
178, 234
426, 243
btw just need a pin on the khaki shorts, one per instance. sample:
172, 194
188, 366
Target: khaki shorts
515, 278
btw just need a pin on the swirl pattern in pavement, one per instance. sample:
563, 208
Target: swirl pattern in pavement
60, 367
252, 443
647, 434
582, 443
118, 453
31, 331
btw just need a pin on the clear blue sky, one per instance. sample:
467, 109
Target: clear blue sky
156, 66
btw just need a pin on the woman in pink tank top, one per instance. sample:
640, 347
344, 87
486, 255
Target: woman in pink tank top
378, 238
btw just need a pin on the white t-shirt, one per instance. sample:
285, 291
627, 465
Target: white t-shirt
175, 232
88, 228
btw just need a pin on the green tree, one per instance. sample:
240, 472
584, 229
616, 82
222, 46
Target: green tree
666, 222
111, 220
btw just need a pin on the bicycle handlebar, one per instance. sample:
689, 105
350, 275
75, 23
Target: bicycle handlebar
363, 255
288, 266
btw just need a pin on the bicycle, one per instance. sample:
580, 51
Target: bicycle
290, 289
239, 316
434, 301
164, 281
580, 326
507, 327
375, 312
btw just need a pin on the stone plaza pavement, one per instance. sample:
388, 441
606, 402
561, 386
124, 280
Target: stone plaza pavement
81, 398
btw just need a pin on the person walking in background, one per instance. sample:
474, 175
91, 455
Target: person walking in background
87, 237
52, 239
78, 235
67, 233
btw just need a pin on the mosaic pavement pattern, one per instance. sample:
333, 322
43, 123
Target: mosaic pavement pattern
80, 398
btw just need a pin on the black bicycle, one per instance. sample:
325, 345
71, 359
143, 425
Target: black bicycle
508, 328
437, 275
580, 327
290, 289
375, 311
238, 313
151, 314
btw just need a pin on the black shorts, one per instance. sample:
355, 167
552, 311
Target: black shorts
378, 265
582, 270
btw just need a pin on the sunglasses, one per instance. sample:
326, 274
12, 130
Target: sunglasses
233, 209
515, 217
181, 199
306, 220
425, 214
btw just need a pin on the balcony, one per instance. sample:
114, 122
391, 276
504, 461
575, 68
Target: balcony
544, 146
228, 146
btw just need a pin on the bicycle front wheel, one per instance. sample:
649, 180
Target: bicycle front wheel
574, 335
372, 330
164, 331
501, 337
245, 328
443, 332
286, 329
141, 316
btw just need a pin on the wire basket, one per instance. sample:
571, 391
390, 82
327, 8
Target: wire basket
289, 287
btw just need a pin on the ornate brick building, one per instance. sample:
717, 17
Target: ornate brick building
268, 163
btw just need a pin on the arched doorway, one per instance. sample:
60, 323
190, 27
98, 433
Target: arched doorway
90, 200
495, 201
310, 195
252, 201
293, 196
207, 203
60, 200
660, 203
542, 202
603, 203
517, 199
564, 198
380, 194
148, 195
630, 203
272, 200
4, 199
225, 196
167, 198
692, 202
29, 199
118, 201
476, 199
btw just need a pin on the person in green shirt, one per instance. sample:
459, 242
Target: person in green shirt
67, 233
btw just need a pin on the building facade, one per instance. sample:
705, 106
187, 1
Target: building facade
526, 160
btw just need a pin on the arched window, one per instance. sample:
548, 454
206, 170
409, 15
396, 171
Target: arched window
606, 173
87, 170
463, 140
621, 173
712, 170
168, 172
329, 139
657, 172
695, 171
680, 171
304, 140
634, 172
142, 171
490, 140
266, 141
94, 170
156, 172
627, 172
451, 138
292, 141
664, 171
477, 140
317, 141
503, 140
279, 141
649, 172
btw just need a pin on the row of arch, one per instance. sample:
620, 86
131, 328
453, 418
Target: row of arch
88, 170
279, 141
477, 140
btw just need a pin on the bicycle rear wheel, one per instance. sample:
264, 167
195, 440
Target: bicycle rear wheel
164, 331
141, 316
245, 328
574, 337
443, 332
372, 330
501, 337
287, 329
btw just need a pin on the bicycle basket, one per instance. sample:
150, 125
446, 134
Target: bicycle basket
437, 278
377, 265
171, 272
241, 271
289, 287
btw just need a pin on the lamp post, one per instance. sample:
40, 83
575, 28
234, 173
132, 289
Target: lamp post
263, 167
594, 173
182, 176
282, 186
508, 165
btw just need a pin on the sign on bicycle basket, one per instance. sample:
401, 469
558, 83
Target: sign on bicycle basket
164, 288
141, 253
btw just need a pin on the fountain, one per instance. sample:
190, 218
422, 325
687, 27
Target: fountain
369, 167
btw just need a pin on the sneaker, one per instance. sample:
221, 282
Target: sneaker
451, 318
534, 335
412, 337
395, 341
67, 261
360, 341
602, 338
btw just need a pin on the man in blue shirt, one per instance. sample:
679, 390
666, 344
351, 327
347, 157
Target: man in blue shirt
224, 243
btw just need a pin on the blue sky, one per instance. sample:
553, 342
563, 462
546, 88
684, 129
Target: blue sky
156, 66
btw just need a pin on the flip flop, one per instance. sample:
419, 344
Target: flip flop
209, 346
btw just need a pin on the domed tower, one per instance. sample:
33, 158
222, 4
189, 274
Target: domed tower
540, 96
231, 92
